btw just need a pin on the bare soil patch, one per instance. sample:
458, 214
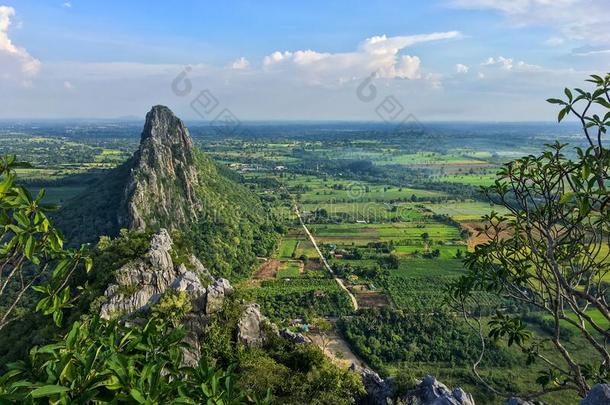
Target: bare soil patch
267, 270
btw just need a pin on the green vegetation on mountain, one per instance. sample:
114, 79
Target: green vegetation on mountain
234, 225
169, 183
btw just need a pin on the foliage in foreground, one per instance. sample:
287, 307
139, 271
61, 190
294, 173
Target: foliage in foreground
99, 361
31, 251
550, 252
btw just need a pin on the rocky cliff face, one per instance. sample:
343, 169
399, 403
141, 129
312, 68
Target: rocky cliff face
141, 283
161, 187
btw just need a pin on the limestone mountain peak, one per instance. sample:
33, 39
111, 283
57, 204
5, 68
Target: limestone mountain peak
160, 191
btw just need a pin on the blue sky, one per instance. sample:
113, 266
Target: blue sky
441, 60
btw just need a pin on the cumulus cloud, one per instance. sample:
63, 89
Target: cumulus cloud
574, 19
241, 63
380, 55
15, 61
461, 68
509, 64
66, 4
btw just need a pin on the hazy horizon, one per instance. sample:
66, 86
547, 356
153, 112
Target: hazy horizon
445, 60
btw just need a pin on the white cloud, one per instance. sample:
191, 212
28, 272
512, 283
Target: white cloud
241, 63
67, 4
574, 19
461, 68
590, 52
378, 54
509, 64
554, 41
68, 85
15, 62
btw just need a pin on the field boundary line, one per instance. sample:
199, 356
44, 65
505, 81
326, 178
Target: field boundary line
330, 270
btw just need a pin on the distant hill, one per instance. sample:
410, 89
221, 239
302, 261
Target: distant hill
168, 183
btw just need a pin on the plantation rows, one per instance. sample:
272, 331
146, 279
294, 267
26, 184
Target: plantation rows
427, 294
300, 298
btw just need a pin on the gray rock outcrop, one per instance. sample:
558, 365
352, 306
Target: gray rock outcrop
141, 283
294, 337
379, 391
430, 391
250, 326
599, 395
216, 293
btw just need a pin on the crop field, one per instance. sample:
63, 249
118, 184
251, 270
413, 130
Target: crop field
315, 190
421, 294
367, 211
291, 269
446, 251
288, 247
464, 211
362, 192
428, 268
405, 233
469, 179
431, 158
291, 298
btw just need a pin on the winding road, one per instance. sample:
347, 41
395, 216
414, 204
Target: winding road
332, 273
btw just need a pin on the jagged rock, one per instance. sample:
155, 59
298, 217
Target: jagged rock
250, 327
599, 395
140, 283
189, 282
216, 294
160, 190
158, 253
191, 353
293, 336
430, 391
379, 391
199, 269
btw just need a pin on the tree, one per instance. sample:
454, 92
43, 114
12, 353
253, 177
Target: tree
425, 237
323, 327
31, 250
549, 252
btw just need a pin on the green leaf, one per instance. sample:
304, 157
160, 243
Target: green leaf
137, 395
29, 247
561, 115
568, 93
566, 197
555, 101
60, 268
48, 390
603, 102
88, 264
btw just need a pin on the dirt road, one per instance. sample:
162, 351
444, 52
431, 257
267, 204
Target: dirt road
323, 259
